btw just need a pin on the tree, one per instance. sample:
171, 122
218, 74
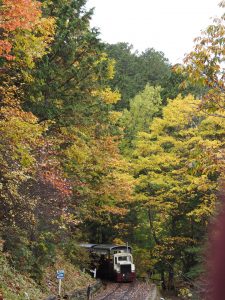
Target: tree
205, 66
23, 31
155, 66
177, 182
81, 176
28, 36
135, 70
173, 84
143, 108
68, 79
21, 15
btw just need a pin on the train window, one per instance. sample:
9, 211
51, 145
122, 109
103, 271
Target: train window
123, 258
115, 260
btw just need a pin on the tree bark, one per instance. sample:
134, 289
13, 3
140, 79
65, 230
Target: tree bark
152, 229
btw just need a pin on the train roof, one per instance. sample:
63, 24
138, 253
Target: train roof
111, 247
88, 246
106, 247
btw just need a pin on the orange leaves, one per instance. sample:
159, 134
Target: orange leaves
24, 31
49, 169
58, 182
5, 48
19, 14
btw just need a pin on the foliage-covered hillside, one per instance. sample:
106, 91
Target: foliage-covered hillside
97, 145
61, 170
15, 285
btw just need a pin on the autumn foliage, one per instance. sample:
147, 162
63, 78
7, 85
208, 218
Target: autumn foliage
21, 14
16, 15
73, 168
60, 173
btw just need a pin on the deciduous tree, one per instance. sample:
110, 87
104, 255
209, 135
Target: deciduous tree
177, 181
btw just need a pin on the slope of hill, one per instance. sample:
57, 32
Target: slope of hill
16, 286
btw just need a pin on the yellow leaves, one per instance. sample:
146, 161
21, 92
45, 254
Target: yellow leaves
103, 58
114, 116
78, 152
109, 63
204, 66
176, 166
20, 136
9, 112
111, 68
168, 143
213, 124
179, 112
157, 126
68, 219
202, 184
46, 28
20, 130
117, 185
118, 241
204, 210
58, 103
114, 210
170, 247
29, 46
103, 170
156, 162
107, 95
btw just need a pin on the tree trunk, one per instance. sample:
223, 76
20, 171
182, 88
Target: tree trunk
171, 279
163, 282
152, 229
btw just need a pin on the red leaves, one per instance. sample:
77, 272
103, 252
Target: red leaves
19, 14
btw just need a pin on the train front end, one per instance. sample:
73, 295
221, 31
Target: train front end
124, 268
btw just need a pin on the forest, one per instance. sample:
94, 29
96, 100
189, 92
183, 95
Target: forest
101, 143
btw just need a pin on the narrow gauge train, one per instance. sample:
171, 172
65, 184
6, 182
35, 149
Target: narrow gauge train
114, 262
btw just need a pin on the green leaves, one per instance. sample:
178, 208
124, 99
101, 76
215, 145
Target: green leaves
69, 79
143, 108
135, 70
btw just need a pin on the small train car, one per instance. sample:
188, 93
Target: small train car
115, 262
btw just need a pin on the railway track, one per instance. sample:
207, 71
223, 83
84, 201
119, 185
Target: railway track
127, 291
111, 293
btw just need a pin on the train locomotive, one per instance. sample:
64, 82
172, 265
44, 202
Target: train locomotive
114, 262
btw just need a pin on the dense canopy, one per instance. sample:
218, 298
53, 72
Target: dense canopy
103, 144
